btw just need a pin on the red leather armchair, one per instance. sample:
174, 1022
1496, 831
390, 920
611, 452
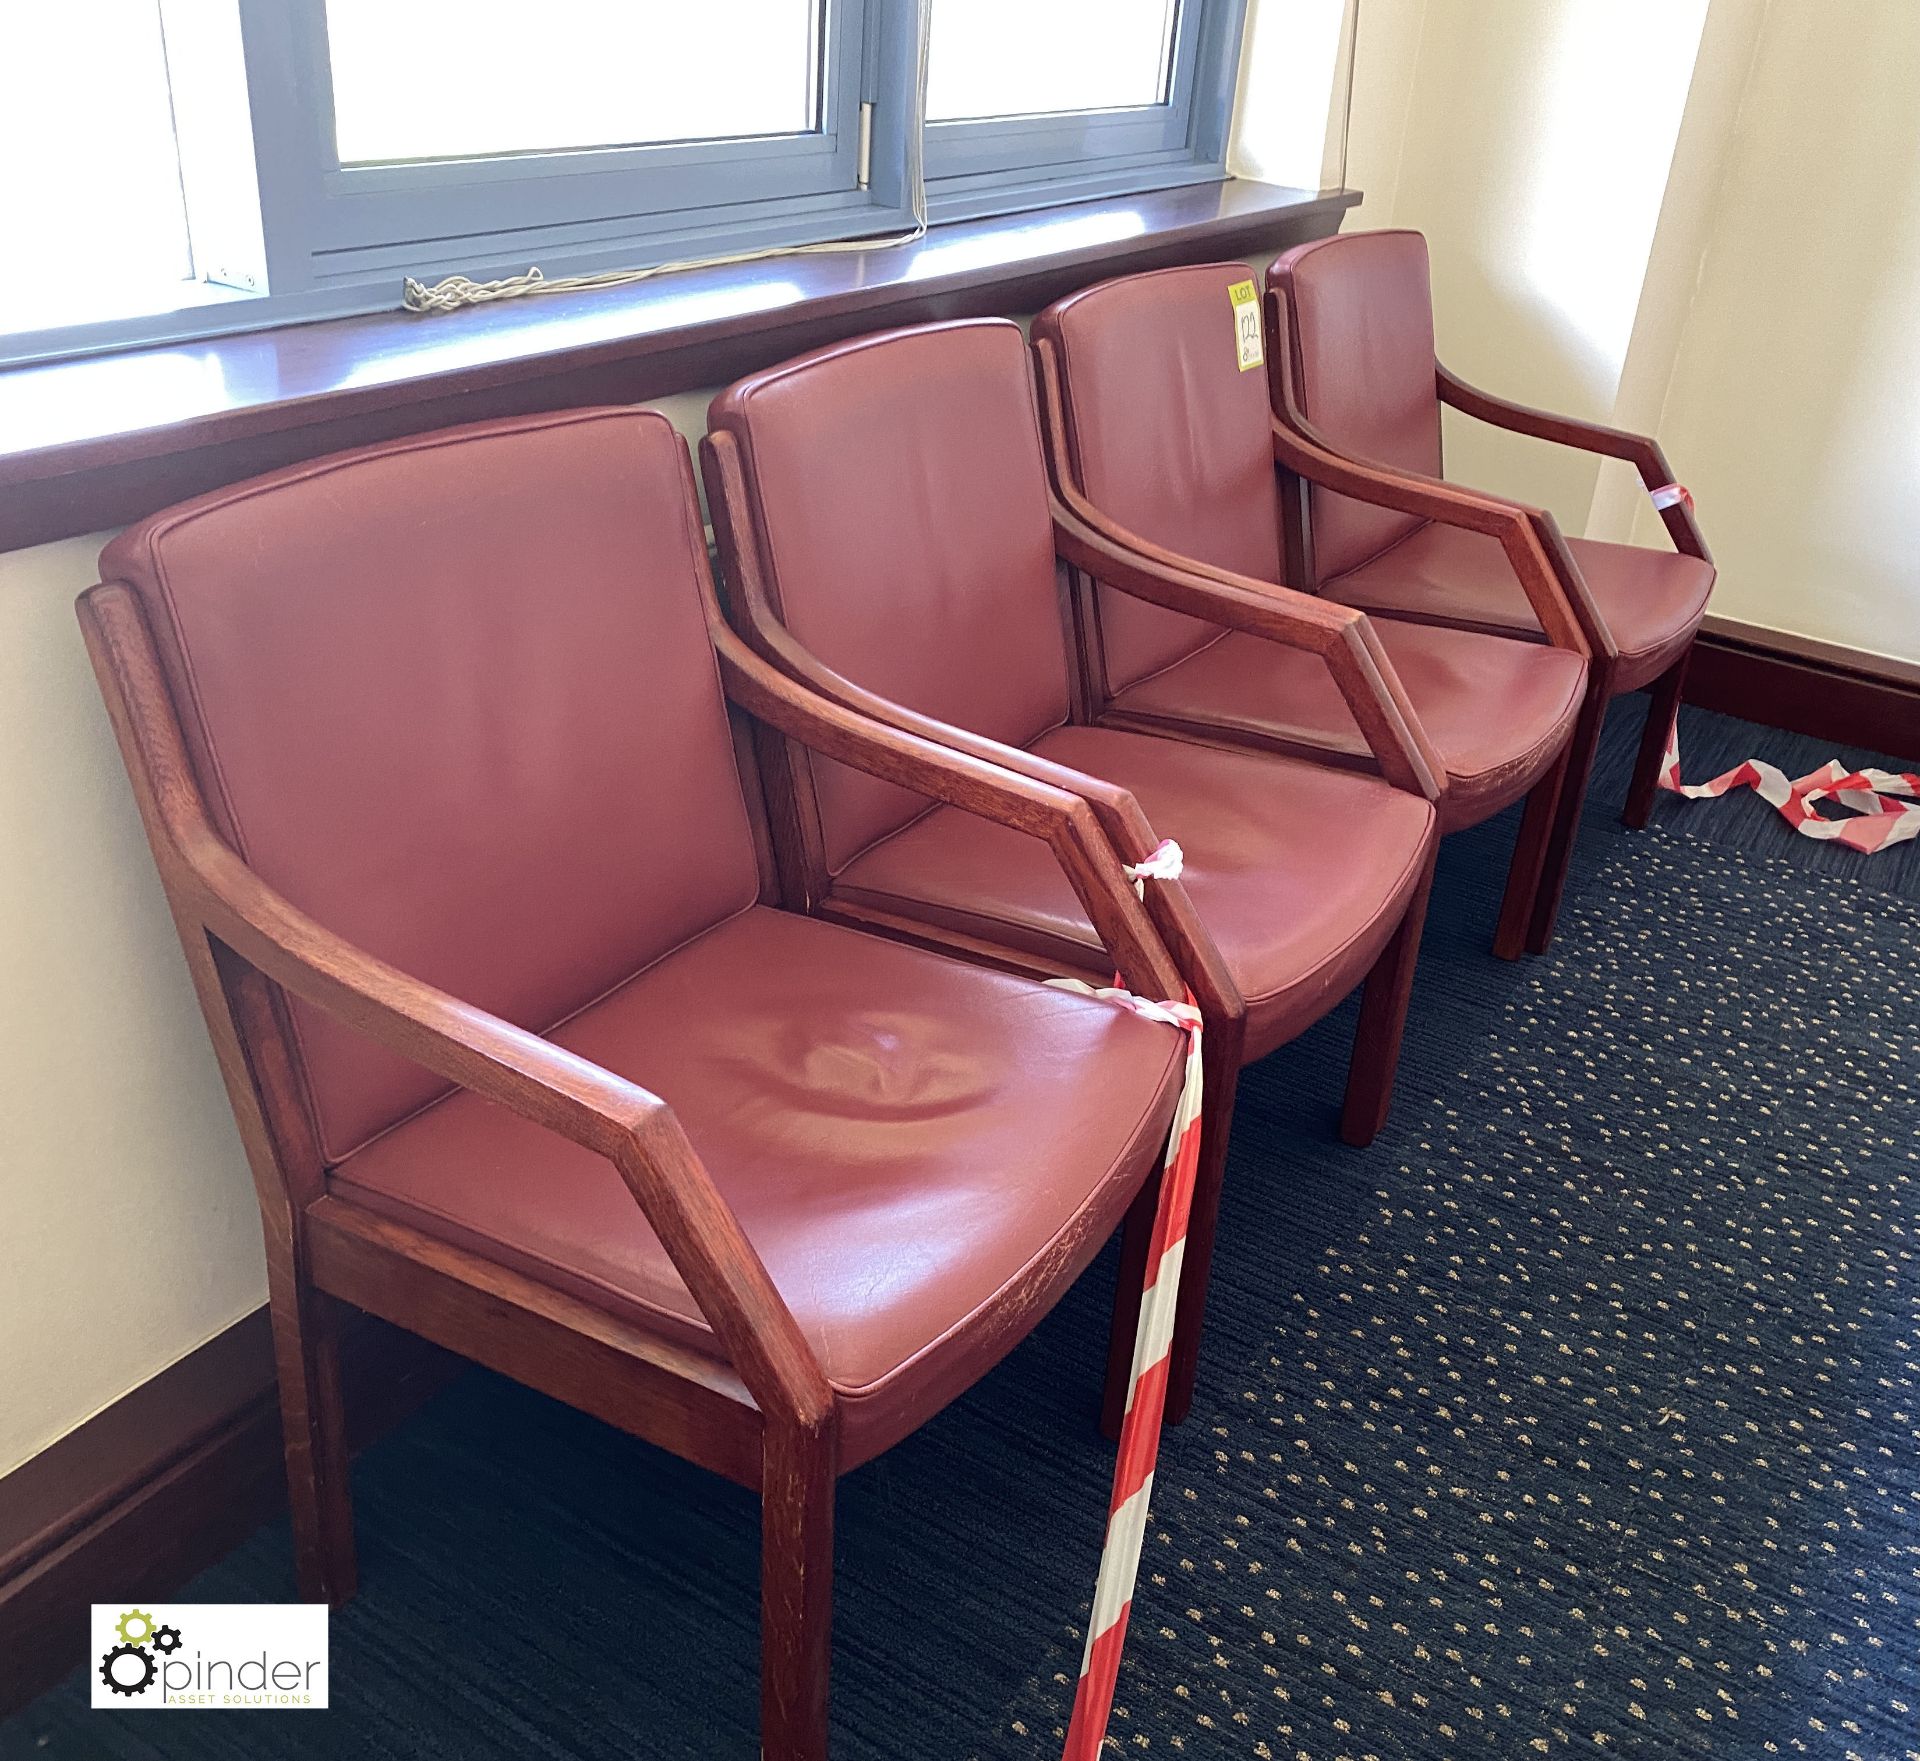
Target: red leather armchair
1158, 435
1358, 392
433, 747
888, 537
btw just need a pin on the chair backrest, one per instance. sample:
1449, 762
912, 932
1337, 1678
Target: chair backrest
1169, 437
1360, 310
454, 697
899, 504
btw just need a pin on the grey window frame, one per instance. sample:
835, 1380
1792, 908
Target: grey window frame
326, 240
329, 224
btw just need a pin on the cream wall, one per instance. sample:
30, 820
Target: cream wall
1540, 201
1284, 114
130, 1231
1702, 155
1792, 401
1696, 217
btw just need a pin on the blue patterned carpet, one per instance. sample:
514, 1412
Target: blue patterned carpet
1578, 1416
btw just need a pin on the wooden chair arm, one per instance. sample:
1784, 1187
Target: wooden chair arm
1101, 547
756, 629
1485, 406
1641, 451
1343, 638
214, 891
1057, 816
1530, 537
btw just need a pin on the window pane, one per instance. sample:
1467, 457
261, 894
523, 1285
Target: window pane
424, 81
89, 172
1033, 57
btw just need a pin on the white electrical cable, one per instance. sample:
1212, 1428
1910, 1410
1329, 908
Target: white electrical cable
457, 292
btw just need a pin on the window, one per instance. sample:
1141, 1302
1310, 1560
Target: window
1103, 95
407, 87
209, 165
94, 216
1082, 55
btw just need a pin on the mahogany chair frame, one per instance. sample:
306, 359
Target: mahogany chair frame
1527, 874
1308, 456
762, 1413
1644, 453
1342, 638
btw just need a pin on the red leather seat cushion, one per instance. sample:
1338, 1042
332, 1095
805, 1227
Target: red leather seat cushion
1651, 601
1300, 871
1497, 710
924, 1153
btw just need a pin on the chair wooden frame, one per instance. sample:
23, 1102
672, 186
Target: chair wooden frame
763, 1413
1644, 453
1527, 874
1344, 641
1307, 456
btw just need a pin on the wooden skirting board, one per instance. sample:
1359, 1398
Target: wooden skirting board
1781, 681
164, 1482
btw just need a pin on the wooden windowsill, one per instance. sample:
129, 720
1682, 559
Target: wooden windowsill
94, 443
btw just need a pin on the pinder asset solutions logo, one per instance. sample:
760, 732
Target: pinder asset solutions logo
211, 1656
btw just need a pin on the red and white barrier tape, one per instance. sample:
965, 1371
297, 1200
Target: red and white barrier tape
1163, 862
1152, 1342
1885, 800
1146, 1395
1884, 819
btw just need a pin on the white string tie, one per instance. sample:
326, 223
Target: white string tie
457, 292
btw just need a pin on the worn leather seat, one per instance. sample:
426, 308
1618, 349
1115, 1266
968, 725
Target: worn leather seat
924, 1153
901, 493
1167, 437
1651, 601
1270, 844
1364, 374
1497, 711
454, 697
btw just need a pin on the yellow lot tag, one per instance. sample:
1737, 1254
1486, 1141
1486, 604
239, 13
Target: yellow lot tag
1246, 324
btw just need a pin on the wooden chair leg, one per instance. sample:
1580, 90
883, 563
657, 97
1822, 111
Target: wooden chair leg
1220, 1057
1566, 819
1527, 872
1136, 1236
1663, 703
796, 1594
1383, 1021
306, 1351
